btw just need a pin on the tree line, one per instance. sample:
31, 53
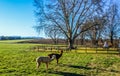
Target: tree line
9, 37
17, 37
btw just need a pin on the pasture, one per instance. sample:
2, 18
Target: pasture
16, 59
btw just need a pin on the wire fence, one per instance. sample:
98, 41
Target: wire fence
78, 49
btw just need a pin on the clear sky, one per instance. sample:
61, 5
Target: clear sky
17, 18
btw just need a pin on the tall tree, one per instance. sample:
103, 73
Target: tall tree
95, 33
67, 16
113, 26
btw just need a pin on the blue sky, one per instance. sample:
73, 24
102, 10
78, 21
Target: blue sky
17, 18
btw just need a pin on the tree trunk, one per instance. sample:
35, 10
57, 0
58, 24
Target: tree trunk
70, 43
111, 38
82, 41
94, 42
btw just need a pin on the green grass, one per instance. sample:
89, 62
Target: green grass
19, 60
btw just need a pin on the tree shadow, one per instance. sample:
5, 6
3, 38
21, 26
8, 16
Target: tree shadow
115, 71
80, 67
89, 68
99, 53
76, 66
50, 70
67, 73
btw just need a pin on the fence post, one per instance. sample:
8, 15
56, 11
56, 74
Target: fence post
51, 48
38, 48
86, 48
44, 48
119, 46
96, 48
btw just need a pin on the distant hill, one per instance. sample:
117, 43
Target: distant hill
43, 41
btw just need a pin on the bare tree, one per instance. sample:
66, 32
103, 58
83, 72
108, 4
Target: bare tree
53, 33
68, 16
113, 26
95, 33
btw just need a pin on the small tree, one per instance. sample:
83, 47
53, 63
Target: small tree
53, 33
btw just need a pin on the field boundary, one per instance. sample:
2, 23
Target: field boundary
42, 48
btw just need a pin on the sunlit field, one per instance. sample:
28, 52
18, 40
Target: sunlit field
18, 59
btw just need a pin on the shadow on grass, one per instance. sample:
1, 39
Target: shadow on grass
98, 52
67, 73
89, 68
63, 73
76, 66
60, 73
80, 67
115, 71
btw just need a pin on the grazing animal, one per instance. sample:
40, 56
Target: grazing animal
57, 55
46, 60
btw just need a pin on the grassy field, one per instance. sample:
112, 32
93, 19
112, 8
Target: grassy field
18, 60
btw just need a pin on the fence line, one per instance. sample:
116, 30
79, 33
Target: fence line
84, 49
